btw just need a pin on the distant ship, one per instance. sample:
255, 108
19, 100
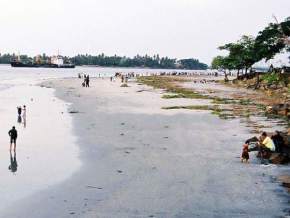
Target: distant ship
52, 62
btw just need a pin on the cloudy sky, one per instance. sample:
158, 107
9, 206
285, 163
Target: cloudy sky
175, 28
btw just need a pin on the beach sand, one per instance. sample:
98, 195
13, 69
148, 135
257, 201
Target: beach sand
139, 160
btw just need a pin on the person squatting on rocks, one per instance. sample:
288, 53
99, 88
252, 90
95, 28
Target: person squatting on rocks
267, 143
278, 141
264, 144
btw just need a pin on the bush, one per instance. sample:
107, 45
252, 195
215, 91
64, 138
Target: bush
271, 78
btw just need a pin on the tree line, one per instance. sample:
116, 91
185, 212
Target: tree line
120, 61
248, 50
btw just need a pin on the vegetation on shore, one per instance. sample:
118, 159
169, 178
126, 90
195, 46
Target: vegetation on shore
225, 108
170, 85
243, 54
121, 61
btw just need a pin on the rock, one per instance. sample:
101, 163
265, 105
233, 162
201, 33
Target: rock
285, 180
277, 158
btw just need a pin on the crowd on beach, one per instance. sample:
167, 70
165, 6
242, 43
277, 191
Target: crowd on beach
86, 82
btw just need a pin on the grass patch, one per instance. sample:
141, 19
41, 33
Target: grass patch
215, 110
169, 84
245, 102
195, 107
218, 100
192, 95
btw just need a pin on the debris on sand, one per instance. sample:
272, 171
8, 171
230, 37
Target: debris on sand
94, 187
74, 112
124, 85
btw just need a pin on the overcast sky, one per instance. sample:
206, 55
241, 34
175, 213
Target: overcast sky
175, 28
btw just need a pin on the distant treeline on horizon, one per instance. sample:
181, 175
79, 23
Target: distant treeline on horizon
118, 61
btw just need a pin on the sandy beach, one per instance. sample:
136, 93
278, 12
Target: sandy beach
138, 160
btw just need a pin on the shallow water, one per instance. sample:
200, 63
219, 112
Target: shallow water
46, 149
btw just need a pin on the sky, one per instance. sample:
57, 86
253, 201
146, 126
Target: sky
174, 28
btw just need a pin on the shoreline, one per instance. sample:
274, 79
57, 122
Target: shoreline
139, 160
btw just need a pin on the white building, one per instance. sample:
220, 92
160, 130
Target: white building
57, 60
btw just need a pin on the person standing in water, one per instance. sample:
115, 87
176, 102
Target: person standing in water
24, 116
24, 112
19, 110
13, 137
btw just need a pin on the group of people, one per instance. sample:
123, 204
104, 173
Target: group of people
264, 144
21, 111
86, 82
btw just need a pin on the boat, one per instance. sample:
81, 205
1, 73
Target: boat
51, 62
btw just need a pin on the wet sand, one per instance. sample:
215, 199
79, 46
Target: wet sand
141, 161
46, 151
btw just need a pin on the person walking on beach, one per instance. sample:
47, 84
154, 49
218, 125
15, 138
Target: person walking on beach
24, 112
19, 110
24, 116
87, 81
13, 136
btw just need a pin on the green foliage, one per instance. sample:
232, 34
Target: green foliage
217, 62
138, 61
192, 64
5, 58
271, 78
249, 50
118, 61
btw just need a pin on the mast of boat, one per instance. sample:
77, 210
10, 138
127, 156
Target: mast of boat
18, 57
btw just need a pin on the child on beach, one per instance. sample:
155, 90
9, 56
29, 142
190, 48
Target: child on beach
245, 153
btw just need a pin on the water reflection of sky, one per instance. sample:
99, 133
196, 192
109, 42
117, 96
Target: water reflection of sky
46, 152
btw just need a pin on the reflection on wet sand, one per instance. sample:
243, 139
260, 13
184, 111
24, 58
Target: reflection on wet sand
24, 122
19, 119
13, 162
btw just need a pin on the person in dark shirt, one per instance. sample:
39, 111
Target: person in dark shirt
19, 110
87, 81
278, 141
13, 136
